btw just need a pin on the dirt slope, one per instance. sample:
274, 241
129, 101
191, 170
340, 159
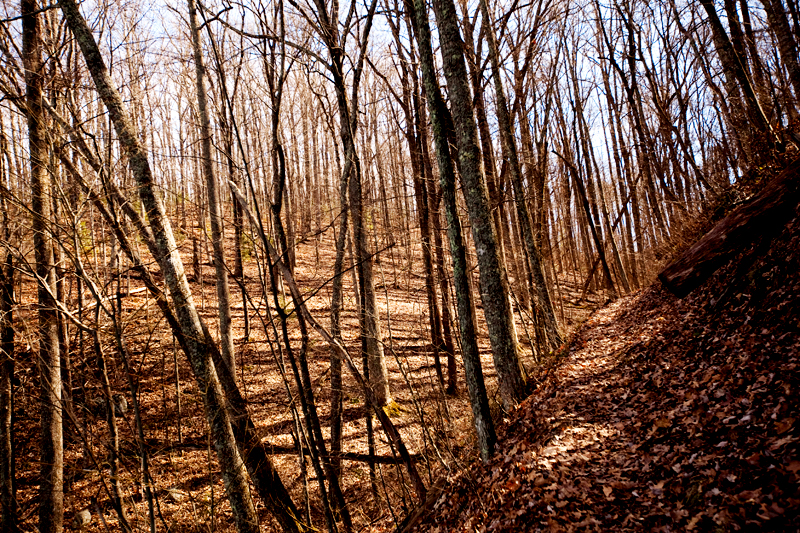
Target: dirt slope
666, 415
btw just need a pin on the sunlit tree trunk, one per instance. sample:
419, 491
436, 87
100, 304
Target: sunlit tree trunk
51, 483
494, 287
214, 208
441, 123
233, 470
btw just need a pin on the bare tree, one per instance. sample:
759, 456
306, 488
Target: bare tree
233, 469
51, 483
442, 128
544, 306
214, 207
494, 286
8, 499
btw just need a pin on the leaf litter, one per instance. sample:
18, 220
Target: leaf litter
665, 415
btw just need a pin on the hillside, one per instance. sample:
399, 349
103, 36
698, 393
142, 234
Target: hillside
664, 415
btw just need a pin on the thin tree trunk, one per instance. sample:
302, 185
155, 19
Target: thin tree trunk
435, 200
231, 464
111, 419
336, 328
214, 209
545, 313
8, 504
51, 484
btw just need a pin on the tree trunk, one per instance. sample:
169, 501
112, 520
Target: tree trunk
336, 328
441, 123
372, 343
233, 469
494, 288
732, 64
545, 313
214, 209
434, 201
111, 419
51, 484
8, 504
776, 15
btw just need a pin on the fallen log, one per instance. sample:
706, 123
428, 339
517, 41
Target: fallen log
762, 216
157, 447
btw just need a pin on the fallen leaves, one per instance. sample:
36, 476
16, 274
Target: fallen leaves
784, 425
663, 422
667, 415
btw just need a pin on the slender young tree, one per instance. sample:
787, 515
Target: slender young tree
214, 208
372, 342
545, 313
8, 503
51, 483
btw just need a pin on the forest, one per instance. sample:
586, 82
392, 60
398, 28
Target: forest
384, 265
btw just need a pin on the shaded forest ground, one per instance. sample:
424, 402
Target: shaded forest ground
664, 415
189, 492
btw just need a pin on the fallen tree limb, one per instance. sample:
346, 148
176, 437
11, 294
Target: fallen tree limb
276, 449
110, 298
762, 216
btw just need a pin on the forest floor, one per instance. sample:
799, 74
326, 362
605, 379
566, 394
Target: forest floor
664, 415
661, 414
189, 493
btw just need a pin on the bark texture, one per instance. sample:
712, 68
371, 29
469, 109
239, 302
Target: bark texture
233, 470
494, 288
440, 125
214, 208
51, 483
